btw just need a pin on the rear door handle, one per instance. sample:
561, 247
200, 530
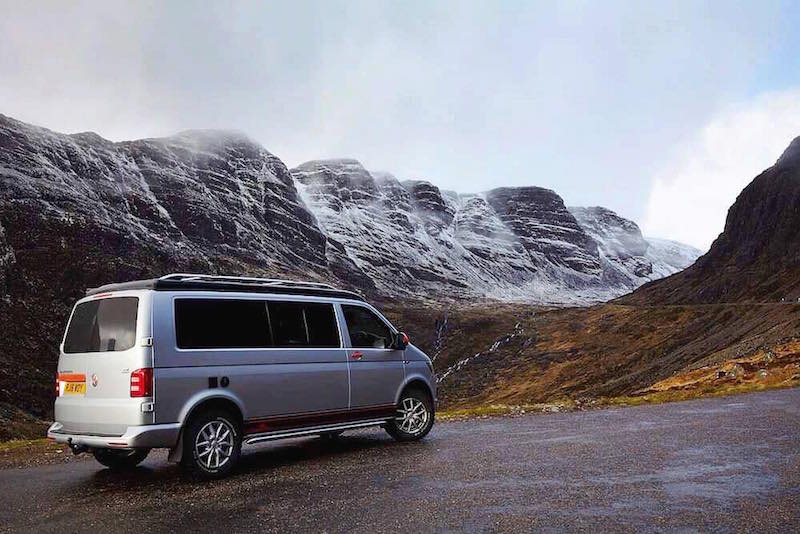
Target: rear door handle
357, 355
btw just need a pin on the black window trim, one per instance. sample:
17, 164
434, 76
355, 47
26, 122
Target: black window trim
376, 313
266, 300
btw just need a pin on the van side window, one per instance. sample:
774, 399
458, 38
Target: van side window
303, 324
221, 323
366, 329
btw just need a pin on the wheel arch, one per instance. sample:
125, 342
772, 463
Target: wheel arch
199, 403
223, 402
416, 382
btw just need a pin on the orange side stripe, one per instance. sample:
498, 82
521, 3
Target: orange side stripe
71, 377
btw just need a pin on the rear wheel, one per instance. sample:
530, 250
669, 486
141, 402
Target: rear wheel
212, 444
415, 415
120, 460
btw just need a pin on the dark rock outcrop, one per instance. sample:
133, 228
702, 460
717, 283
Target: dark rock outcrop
430, 205
545, 227
6, 263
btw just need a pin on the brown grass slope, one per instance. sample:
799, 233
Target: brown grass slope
585, 353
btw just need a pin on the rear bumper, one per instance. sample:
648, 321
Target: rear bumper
144, 436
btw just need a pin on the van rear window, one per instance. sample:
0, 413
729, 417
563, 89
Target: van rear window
231, 323
104, 325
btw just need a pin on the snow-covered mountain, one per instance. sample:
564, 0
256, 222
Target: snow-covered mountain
78, 211
217, 201
519, 243
669, 257
628, 259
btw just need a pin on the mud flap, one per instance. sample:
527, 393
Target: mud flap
176, 453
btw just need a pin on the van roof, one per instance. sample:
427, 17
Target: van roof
205, 282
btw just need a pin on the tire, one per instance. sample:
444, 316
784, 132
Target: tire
404, 429
212, 444
120, 459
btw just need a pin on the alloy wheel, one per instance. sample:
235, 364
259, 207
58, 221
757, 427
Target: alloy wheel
214, 444
412, 416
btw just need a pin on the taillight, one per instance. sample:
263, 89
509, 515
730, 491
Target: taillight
58, 387
142, 382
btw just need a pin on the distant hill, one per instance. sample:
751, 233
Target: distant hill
756, 258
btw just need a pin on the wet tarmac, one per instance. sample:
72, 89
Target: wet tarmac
727, 464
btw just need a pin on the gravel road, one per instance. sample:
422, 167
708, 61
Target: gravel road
727, 464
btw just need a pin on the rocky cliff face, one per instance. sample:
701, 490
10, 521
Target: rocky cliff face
510, 243
757, 256
546, 229
627, 258
227, 195
6, 263
78, 211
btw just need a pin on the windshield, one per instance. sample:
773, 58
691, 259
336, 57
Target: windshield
105, 325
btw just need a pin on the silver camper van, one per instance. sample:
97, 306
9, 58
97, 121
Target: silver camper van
200, 364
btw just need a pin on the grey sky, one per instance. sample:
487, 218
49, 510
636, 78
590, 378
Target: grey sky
598, 101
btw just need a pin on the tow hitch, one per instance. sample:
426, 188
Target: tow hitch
77, 449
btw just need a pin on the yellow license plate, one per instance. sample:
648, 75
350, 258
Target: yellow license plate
75, 388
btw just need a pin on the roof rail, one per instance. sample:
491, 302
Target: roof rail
210, 282
245, 280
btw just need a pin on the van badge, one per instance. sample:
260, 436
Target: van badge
94, 380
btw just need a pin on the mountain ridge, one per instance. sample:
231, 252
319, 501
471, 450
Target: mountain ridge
79, 211
505, 243
207, 198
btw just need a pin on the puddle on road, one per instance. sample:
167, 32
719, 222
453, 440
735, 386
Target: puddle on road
722, 488
720, 474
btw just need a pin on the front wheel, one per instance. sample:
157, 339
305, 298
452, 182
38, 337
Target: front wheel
120, 460
415, 415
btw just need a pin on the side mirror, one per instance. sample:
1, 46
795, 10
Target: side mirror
400, 341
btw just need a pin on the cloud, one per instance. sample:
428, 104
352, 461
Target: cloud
691, 195
582, 97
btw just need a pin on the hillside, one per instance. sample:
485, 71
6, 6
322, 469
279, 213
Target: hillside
757, 256
521, 244
518, 355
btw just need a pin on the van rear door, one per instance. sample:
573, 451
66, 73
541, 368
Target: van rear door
99, 354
